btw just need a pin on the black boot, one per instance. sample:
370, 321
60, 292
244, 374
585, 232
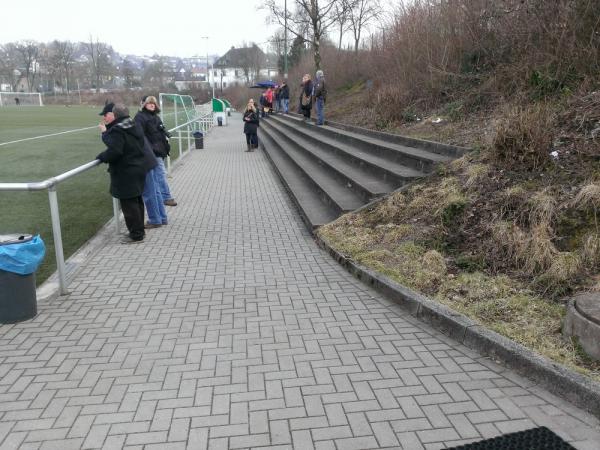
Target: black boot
248, 148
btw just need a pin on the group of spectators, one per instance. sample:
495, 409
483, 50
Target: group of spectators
135, 153
277, 100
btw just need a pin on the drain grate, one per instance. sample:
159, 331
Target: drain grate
535, 439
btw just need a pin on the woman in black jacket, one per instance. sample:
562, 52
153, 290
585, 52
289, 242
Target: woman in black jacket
306, 96
251, 126
150, 124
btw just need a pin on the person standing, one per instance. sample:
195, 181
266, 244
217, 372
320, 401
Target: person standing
251, 124
306, 96
277, 99
154, 130
269, 99
126, 164
284, 97
320, 97
263, 104
153, 201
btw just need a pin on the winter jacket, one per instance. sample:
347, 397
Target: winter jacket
284, 92
251, 126
269, 95
307, 89
153, 128
320, 89
125, 157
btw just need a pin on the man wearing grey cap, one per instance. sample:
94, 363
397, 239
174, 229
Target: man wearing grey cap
126, 165
320, 97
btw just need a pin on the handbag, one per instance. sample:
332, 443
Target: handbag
305, 99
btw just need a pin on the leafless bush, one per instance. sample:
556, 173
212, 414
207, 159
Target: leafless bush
436, 50
524, 138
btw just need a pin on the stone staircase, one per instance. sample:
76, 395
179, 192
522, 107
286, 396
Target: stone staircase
333, 169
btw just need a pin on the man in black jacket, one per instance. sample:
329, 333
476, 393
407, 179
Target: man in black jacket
126, 164
284, 97
320, 97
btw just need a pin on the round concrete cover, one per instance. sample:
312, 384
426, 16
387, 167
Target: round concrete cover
588, 305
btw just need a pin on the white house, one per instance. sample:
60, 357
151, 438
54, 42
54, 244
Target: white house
241, 66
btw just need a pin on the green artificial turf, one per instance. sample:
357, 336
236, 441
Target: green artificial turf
84, 202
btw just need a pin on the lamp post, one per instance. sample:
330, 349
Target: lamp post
207, 73
213, 83
285, 62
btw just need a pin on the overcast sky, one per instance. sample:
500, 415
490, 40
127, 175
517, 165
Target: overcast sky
140, 27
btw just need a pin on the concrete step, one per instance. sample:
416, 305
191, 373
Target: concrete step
313, 208
334, 190
373, 144
365, 184
453, 151
377, 166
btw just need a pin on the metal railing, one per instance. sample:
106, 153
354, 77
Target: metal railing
50, 184
203, 122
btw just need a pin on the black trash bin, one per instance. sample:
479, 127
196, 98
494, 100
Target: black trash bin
220, 121
18, 299
198, 139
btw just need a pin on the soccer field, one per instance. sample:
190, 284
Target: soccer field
84, 202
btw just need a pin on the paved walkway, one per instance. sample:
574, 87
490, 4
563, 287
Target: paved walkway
230, 328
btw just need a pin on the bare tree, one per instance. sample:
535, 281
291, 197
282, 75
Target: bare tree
28, 52
9, 65
310, 15
340, 12
99, 54
277, 47
128, 72
64, 52
257, 60
251, 60
360, 14
156, 72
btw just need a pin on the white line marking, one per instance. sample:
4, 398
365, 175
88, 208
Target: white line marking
47, 135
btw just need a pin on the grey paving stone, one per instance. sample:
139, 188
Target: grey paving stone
230, 328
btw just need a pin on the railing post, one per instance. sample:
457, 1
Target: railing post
116, 214
56, 232
190, 127
179, 139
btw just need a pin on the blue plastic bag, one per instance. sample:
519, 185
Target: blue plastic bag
22, 258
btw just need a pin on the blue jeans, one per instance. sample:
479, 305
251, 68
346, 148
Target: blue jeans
161, 179
320, 106
153, 199
285, 105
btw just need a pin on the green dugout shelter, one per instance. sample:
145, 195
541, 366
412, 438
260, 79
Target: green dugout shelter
219, 111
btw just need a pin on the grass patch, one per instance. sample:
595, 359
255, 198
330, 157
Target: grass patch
486, 246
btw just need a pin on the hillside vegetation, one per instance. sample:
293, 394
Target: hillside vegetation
508, 232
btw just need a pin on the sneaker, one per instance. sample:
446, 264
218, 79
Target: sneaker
129, 240
170, 202
149, 225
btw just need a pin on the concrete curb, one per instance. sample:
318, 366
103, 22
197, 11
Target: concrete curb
554, 377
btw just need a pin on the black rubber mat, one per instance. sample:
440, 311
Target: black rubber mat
535, 439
